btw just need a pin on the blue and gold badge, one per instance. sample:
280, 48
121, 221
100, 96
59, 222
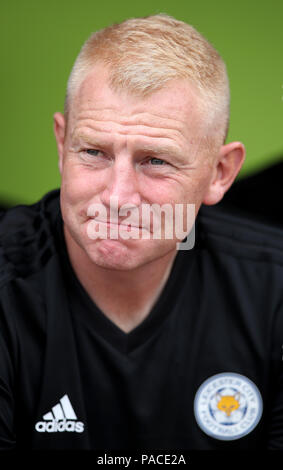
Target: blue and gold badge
228, 406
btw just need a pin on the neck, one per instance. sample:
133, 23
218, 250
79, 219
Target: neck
125, 297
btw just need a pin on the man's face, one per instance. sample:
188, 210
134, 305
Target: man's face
138, 150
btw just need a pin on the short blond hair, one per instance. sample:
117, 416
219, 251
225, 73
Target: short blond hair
143, 54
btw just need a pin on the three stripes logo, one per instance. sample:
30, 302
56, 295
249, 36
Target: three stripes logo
61, 418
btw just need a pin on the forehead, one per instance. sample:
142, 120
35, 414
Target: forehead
177, 105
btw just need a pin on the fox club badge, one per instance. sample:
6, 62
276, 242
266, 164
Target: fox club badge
228, 406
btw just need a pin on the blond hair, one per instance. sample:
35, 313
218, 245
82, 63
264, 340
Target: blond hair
143, 54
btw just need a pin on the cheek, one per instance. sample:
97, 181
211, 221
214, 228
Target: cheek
163, 190
79, 184
181, 191
196, 187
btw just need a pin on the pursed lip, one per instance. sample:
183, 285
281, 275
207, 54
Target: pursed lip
119, 224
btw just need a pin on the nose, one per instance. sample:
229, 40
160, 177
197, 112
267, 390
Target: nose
122, 183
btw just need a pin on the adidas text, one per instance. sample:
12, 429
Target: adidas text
62, 417
59, 426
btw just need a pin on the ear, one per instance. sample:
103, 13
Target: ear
59, 131
237, 396
227, 166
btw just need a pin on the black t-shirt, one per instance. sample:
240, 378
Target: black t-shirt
202, 371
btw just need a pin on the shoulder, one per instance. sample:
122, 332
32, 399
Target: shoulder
239, 235
27, 234
241, 264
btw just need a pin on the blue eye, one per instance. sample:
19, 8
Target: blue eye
92, 152
157, 161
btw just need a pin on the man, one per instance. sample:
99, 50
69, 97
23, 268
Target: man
113, 341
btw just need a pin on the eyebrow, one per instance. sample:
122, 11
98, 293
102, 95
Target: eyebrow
170, 151
157, 150
83, 136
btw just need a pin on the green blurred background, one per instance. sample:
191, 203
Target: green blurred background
41, 38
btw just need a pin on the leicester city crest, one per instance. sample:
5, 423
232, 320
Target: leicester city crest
228, 406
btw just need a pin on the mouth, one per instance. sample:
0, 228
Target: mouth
120, 225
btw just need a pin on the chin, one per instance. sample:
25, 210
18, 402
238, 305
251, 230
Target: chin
114, 254
124, 256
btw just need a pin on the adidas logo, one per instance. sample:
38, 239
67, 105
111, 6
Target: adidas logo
61, 418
